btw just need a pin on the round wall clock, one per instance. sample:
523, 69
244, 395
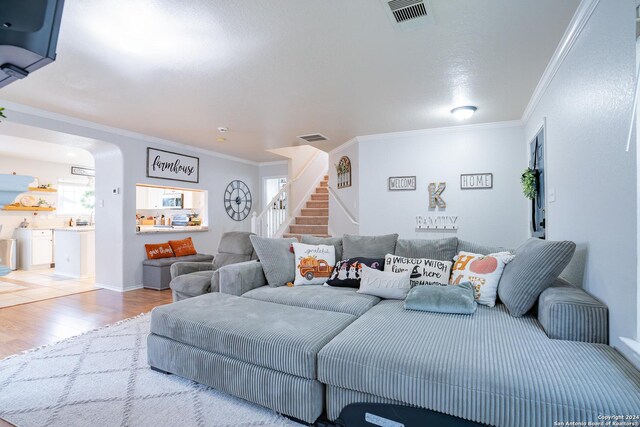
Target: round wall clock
237, 200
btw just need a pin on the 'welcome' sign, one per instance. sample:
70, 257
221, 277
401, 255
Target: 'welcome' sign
168, 165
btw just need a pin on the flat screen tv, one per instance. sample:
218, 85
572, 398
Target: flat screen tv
28, 36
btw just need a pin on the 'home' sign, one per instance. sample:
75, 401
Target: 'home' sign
168, 165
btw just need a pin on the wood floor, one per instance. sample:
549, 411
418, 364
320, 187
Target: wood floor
44, 322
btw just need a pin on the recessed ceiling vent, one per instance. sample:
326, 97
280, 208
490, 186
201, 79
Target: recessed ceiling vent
407, 15
314, 137
403, 10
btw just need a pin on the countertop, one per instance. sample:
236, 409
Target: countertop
62, 228
78, 229
150, 229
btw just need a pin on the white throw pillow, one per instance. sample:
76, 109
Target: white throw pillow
422, 271
384, 284
314, 263
483, 271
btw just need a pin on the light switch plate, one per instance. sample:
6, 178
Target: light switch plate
551, 196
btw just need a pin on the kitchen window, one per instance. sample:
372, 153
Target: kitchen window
75, 198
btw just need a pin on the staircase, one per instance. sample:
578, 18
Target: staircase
314, 219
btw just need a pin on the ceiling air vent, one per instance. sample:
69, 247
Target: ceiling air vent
314, 137
407, 15
404, 10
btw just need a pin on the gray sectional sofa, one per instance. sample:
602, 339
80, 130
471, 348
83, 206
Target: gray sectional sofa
310, 350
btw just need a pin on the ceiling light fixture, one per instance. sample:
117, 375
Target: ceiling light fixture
465, 112
221, 139
223, 129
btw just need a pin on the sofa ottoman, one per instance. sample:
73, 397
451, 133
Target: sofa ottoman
256, 350
488, 367
156, 273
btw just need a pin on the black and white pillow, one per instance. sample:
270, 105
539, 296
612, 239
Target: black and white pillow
347, 273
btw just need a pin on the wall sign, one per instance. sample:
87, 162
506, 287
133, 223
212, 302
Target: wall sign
168, 165
76, 170
476, 181
437, 222
435, 195
343, 169
402, 183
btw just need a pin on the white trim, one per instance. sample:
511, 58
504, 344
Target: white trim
147, 139
119, 289
350, 217
580, 18
631, 350
442, 130
344, 146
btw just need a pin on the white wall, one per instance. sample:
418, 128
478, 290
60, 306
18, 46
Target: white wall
493, 217
340, 222
46, 173
588, 109
215, 174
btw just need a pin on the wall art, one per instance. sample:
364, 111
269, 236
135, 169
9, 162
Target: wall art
77, 170
435, 195
476, 181
402, 183
437, 222
174, 166
343, 168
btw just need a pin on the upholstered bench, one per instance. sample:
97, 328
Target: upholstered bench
156, 273
259, 351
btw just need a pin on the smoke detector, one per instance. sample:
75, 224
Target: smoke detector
314, 137
409, 15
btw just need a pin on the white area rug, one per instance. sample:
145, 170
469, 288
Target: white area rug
102, 379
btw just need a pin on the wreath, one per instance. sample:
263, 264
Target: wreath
529, 182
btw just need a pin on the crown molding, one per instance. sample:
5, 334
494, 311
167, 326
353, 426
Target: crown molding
344, 146
274, 163
578, 22
36, 113
442, 130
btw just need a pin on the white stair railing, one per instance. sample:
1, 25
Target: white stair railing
269, 222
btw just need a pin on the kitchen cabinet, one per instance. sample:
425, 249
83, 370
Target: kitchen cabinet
75, 252
35, 248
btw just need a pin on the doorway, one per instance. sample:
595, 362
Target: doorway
538, 222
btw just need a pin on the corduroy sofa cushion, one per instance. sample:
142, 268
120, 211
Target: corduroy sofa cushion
440, 249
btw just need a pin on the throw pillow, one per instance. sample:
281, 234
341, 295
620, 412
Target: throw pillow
457, 299
368, 246
440, 249
384, 284
482, 271
422, 271
160, 250
314, 263
183, 247
276, 258
346, 273
336, 242
537, 264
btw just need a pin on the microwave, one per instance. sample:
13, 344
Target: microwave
173, 201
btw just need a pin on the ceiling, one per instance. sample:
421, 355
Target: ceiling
273, 69
23, 148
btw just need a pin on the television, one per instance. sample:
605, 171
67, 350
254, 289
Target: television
28, 36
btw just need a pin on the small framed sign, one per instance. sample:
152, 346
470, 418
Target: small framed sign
402, 183
476, 181
77, 170
174, 166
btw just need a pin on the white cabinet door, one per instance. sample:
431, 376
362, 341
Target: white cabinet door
155, 198
41, 251
142, 197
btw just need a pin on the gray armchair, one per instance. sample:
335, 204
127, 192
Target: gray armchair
190, 279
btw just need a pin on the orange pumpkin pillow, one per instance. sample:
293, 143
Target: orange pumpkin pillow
160, 250
183, 247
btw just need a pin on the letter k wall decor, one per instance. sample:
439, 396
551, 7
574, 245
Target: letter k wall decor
435, 195
169, 165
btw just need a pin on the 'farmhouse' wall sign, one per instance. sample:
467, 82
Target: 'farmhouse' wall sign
474, 181
77, 170
400, 183
168, 165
